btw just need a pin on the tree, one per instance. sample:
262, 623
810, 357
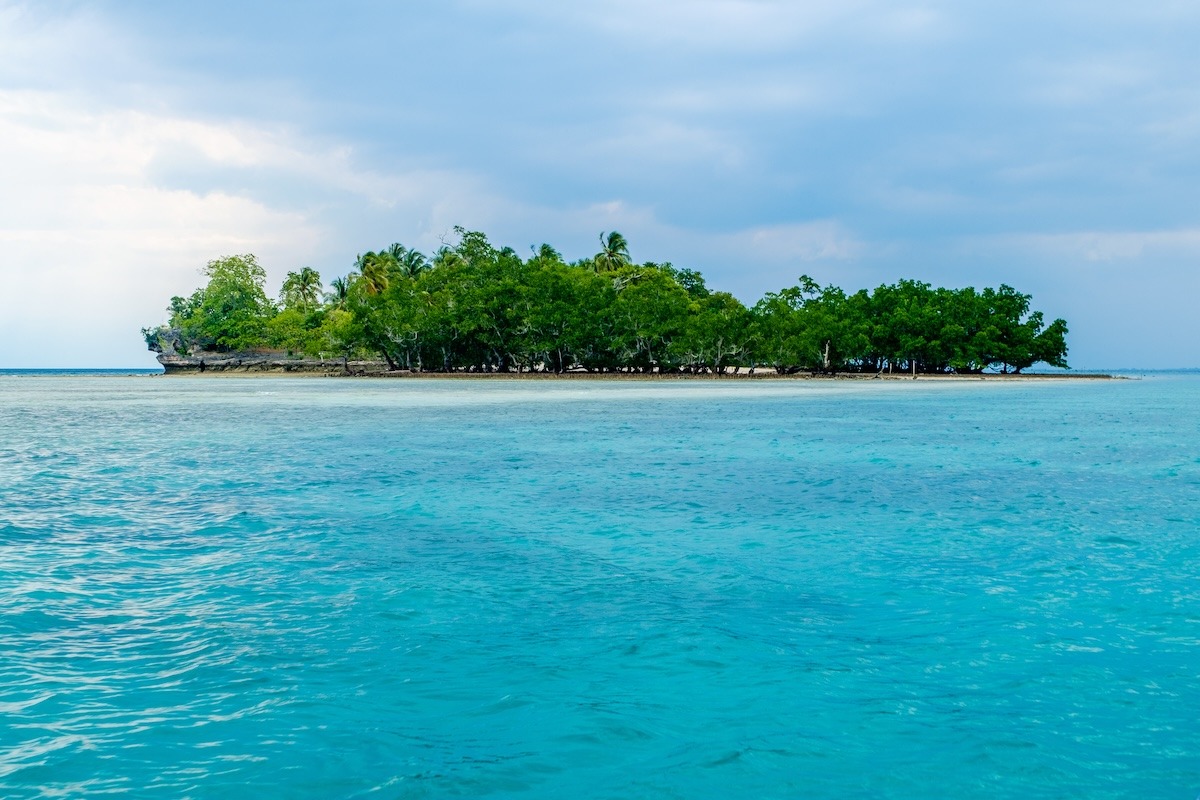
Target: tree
564, 316
375, 271
301, 290
778, 326
716, 334
339, 291
832, 336
650, 310
691, 280
446, 257
231, 312
904, 325
409, 263
614, 253
1050, 346
545, 256
482, 307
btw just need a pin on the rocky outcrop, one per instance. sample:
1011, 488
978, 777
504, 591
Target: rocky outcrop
164, 340
177, 359
175, 364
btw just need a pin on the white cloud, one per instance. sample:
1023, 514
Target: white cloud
800, 242
1128, 296
1110, 246
89, 245
136, 147
746, 262
913, 199
92, 246
1091, 80
732, 25
767, 94
40, 49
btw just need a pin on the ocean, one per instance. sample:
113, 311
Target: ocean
320, 588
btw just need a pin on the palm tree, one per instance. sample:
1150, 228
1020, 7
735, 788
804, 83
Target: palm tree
407, 262
447, 257
374, 268
302, 289
413, 263
545, 255
396, 251
614, 252
340, 290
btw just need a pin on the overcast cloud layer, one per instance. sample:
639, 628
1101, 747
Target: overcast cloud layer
1051, 146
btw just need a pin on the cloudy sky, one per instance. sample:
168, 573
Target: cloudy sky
1053, 146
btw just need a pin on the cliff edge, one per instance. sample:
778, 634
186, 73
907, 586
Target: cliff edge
177, 359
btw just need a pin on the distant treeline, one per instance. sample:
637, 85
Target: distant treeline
476, 307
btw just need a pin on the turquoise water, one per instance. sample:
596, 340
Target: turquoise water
316, 588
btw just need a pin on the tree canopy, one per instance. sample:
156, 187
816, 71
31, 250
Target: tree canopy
473, 306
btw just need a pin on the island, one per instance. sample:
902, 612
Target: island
472, 308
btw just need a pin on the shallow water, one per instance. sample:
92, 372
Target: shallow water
311, 588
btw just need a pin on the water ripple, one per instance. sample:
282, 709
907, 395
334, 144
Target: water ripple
293, 588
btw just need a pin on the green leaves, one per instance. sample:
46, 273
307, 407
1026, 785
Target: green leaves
301, 290
231, 312
478, 307
907, 326
614, 253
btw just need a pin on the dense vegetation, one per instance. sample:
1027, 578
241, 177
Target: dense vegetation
476, 307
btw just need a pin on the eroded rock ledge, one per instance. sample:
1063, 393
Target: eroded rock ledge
175, 364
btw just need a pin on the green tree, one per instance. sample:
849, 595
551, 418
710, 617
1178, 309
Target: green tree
565, 316
545, 256
691, 280
375, 271
301, 290
409, 263
778, 327
1050, 345
231, 312
650, 310
716, 334
339, 291
478, 306
614, 253
832, 337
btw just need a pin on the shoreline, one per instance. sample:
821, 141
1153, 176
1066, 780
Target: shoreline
243, 366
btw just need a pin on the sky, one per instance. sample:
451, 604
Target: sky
1053, 146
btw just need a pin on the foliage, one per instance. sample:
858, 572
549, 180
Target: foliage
301, 290
473, 306
231, 312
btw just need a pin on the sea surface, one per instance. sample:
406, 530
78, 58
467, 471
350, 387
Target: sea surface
338, 588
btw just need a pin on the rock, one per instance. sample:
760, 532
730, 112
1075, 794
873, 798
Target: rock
175, 364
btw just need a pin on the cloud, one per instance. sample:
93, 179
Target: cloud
769, 94
40, 50
752, 26
87, 241
1128, 295
859, 141
94, 240
1110, 246
745, 261
640, 144
801, 242
1095, 79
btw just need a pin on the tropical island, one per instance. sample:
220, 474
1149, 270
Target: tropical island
473, 307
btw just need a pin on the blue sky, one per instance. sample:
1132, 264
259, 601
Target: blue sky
1052, 146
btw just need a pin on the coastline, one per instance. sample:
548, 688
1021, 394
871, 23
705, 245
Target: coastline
242, 365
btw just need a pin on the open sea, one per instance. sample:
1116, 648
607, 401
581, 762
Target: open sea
337, 588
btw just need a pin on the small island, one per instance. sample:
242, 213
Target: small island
474, 308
